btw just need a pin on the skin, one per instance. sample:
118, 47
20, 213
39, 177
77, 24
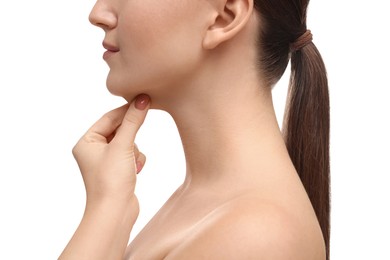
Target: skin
241, 198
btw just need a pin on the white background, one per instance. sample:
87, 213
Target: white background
52, 88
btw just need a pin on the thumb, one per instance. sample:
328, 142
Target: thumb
132, 121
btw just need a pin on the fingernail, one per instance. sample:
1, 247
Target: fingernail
139, 167
142, 101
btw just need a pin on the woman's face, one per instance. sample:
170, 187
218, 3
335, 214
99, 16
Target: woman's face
155, 45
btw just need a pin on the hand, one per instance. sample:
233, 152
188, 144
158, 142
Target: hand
107, 156
108, 159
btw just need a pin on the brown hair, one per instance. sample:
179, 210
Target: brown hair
306, 121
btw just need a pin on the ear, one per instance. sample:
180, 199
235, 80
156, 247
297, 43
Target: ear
231, 17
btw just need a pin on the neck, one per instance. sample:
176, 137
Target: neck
227, 131
227, 123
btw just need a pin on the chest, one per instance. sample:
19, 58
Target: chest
155, 243
170, 227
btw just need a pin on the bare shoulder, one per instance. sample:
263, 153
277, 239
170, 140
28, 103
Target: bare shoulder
251, 229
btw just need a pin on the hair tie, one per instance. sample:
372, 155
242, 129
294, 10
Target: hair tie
302, 41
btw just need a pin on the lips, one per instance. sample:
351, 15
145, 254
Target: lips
110, 47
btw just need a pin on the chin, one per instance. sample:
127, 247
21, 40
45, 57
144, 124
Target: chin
156, 88
123, 88
118, 86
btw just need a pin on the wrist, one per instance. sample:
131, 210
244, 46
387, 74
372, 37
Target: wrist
104, 230
126, 208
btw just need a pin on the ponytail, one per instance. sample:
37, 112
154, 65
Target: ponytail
306, 130
283, 36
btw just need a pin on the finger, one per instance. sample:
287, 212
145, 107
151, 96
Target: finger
109, 122
132, 121
140, 162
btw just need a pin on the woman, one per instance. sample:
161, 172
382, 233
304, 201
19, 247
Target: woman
211, 64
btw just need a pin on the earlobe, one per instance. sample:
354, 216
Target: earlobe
232, 17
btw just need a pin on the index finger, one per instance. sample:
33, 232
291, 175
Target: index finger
132, 121
109, 122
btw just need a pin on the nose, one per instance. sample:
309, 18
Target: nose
102, 15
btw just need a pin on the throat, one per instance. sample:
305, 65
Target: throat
222, 143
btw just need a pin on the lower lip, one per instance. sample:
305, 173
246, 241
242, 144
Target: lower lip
108, 54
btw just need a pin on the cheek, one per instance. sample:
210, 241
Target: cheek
154, 33
158, 47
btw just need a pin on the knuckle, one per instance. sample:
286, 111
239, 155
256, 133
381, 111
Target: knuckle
113, 120
75, 150
93, 138
132, 119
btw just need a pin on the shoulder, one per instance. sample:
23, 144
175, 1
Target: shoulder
248, 229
